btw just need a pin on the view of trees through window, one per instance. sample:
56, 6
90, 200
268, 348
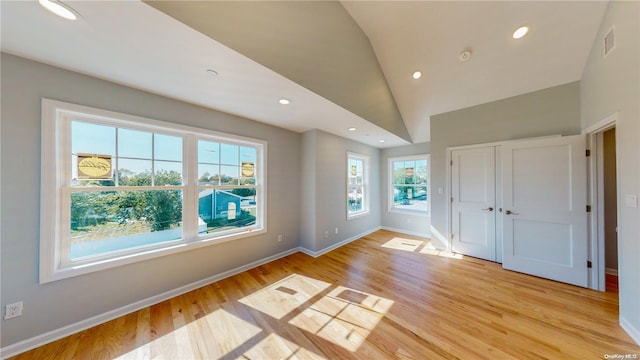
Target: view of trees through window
226, 185
140, 201
409, 184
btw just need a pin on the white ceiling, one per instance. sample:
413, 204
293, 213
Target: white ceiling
133, 44
429, 35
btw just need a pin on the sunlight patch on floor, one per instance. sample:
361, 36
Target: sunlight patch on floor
275, 346
344, 316
229, 332
421, 246
284, 296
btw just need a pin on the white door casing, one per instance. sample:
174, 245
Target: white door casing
544, 208
473, 207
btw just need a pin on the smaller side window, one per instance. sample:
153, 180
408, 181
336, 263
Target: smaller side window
357, 185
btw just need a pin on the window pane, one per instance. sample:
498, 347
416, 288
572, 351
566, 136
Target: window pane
226, 209
229, 154
356, 171
248, 165
398, 172
105, 222
409, 172
167, 173
93, 139
229, 175
208, 152
410, 198
167, 147
208, 174
421, 172
134, 172
134, 144
355, 199
247, 153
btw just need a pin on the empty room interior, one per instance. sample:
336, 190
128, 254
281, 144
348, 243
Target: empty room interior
320, 179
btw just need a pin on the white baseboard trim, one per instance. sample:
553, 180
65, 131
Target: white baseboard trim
611, 271
425, 234
441, 239
316, 254
630, 329
32, 343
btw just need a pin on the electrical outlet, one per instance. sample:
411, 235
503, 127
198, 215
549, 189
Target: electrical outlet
13, 310
337, 231
280, 238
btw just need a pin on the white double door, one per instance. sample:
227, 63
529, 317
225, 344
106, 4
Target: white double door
523, 203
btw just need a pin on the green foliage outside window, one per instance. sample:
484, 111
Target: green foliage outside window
161, 209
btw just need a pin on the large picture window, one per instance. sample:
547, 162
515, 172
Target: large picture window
409, 184
357, 185
118, 188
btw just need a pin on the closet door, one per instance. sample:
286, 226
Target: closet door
544, 204
473, 214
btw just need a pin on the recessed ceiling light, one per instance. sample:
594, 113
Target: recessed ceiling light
352, 129
212, 72
465, 55
381, 140
520, 32
284, 101
417, 75
59, 9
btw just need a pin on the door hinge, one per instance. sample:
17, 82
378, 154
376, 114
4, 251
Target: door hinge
588, 208
588, 152
589, 264
451, 163
452, 199
451, 236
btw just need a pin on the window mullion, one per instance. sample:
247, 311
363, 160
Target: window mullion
190, 197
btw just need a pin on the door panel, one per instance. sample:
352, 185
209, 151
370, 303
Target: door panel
473, 202
544, 188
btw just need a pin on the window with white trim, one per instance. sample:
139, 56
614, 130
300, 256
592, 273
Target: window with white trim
118, 188
357, 185
409, 184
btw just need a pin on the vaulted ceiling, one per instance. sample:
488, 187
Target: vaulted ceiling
341, 64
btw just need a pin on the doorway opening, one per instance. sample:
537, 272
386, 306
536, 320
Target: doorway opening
603, 198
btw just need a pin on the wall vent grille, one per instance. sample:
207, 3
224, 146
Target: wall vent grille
609, 42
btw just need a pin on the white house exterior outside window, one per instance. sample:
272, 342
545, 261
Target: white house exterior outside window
118, 188
409, 184
357, 185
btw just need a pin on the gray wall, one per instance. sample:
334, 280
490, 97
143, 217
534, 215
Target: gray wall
345, 67
413, 224
546, 112
613, 85
328, 153
54, 305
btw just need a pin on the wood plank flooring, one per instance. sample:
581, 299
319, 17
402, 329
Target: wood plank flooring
384, 296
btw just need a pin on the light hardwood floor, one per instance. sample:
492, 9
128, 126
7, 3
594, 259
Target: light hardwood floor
385, 296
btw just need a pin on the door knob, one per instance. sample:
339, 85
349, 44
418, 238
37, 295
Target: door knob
509, 212
489, 208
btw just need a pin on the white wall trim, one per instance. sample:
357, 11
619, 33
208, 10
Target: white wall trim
319, 253
596, 198
602, 125
630, 329
425, 234
436, 235
39, 340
